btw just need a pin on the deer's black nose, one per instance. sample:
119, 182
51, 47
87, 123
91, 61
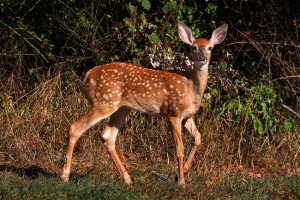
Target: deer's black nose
201, 58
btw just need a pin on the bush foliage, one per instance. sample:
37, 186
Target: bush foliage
39, 37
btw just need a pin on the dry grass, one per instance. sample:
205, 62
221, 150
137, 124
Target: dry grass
34, 133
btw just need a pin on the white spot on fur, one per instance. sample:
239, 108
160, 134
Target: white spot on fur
93, 82
116, 102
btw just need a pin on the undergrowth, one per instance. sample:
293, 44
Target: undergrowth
35, 133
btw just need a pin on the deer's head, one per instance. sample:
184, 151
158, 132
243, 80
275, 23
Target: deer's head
201, 48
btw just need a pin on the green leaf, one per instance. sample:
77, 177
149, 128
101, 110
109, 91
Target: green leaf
131, 8
223, 65
136, 61
169, 6
214, 92
258, 126
146, 4
288, 125
211, 9
131, 28
153, 37
30, 71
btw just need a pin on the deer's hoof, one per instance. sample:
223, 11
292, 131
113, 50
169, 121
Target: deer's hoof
64, 178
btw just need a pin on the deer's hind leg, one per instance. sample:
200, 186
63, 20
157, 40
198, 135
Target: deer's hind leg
109, 138
77, 129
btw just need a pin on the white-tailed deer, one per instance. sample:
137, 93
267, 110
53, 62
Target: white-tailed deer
114, 89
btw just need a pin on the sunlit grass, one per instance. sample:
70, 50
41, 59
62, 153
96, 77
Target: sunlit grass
232, 186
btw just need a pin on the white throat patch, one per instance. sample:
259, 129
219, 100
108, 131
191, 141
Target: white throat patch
204, 67
200, 67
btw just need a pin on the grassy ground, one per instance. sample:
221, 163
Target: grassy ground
17, 185
232, 163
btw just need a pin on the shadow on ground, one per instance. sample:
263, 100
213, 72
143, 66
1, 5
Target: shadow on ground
31, 172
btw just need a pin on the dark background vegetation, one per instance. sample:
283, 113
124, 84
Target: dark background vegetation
251, 117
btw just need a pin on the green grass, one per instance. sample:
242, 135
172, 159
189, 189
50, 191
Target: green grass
16, 187
233, 186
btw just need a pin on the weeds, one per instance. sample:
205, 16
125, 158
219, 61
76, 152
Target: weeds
35, 133
34, 140
256, 111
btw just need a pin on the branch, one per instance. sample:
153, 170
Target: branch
266, 43
291, 110
286, 77
168, 18
25, 39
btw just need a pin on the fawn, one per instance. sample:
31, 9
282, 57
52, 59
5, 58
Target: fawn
114, 89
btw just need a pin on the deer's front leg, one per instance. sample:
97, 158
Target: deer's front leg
191, 127
176, 131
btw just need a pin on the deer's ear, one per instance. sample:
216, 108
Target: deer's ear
219, 34
185, 33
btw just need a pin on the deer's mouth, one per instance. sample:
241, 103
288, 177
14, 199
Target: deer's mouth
203, 62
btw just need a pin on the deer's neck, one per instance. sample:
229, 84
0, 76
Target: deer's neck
199, 77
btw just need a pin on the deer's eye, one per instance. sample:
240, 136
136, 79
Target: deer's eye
209, 48
194, 48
